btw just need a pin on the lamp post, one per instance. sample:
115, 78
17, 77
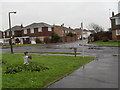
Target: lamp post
82, 37
11, 47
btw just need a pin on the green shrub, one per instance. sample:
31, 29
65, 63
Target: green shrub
55, 38
12, 69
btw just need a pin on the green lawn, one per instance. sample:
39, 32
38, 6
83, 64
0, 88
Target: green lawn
59, 66
109, 43
20, 45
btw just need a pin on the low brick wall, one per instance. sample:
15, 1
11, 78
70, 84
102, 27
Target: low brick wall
68, 39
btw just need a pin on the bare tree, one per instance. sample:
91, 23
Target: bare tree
96, 27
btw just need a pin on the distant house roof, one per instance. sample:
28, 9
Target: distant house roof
37, 25
64, 28
116, 16
15, 28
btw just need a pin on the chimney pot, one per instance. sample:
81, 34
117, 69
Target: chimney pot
112, 14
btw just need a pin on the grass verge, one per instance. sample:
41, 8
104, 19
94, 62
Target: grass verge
110, 43
21, 45
59, 66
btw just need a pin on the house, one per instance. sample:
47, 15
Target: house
115, 26
64, 32
1, 38
16, 34
78, 32
37, 33
86, 33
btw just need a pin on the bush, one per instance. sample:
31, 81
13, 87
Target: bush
70, 34
38, 40
99, 36
17, 40
55, 38
12, 69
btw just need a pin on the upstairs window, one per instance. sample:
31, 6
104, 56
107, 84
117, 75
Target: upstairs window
49, 29
12, 32
8, 33
39, 29
117, 21
117, 32
31, 30
25, 31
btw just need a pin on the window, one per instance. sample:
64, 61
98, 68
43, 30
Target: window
50, 37
41, 38
32, 30
12, 32
25, 31
39, 29
117, 21
8, 33
65, 31
49, 29
117, 32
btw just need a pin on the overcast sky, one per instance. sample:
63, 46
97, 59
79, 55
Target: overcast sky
71, 13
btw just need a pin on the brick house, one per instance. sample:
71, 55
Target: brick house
78, 32
62, 32
37, 33
1, 38
16, 34
115, 26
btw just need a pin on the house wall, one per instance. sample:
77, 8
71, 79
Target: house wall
57, 30
114, 28
68, 39
114, 36
44, 32
36, 35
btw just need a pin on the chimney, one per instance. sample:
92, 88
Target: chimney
62, 25
112, 14
21, 26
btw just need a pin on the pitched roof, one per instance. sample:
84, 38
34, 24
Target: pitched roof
15, 28
37, 25
116, 16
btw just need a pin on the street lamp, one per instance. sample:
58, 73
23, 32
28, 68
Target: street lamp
11, 32
82, 37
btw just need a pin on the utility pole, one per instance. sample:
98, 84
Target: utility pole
11, 47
